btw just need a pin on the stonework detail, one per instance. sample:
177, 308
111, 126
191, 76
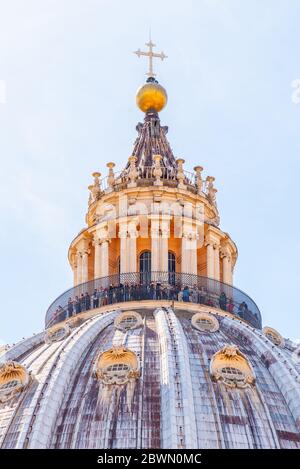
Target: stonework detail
205, 322
274, 336
13, 379
232, 367
57, 333
128, 320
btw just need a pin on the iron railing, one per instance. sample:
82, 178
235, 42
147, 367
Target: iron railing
138, 286
146, 176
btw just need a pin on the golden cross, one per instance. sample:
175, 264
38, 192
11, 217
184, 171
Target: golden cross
150, 54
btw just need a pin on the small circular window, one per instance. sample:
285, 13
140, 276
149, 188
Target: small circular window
56, 334
128, 320
205, 322
274, 336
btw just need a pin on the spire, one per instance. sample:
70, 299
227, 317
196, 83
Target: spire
152, 140
151, 98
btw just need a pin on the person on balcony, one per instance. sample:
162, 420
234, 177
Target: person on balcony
82, 302
126, 292
158, 291
194, 295
223, 301
186, 294
230, 306
77, 305
152, 291
70, 307
95, 299
87, 299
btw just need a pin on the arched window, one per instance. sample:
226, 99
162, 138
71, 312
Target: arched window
171, 267
145, 266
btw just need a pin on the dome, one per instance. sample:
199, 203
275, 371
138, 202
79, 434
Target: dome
164, 385
151, 96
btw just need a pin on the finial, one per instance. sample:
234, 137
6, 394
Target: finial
151, 55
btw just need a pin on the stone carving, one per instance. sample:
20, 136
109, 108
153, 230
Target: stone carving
205, 322
95, 189
211, 190
132, 173
180, 173
157, 172
274, 336
232, 367
198, 179
111, 175
128, 320
13, 380
56, 333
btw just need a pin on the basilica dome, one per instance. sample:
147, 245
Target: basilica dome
153, 346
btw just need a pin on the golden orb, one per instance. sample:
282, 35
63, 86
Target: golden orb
151, 97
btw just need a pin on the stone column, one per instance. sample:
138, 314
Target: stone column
155, 246
189, 252
85, 272
209, 258
79, 267
75, 271
123, 233
131, 247
104, 257
97, 261
217, 261
164, 244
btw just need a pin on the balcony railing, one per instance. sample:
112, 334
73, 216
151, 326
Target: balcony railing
146, 177
169, 286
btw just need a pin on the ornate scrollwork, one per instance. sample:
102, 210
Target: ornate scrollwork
128, 320
205, 322
274, 336
13, 380
56, 333
117, 366
230, 366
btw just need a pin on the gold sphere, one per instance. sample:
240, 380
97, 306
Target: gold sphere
151, 97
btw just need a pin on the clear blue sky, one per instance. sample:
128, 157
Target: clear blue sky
71, 78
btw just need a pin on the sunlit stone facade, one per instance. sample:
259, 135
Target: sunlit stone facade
153, 346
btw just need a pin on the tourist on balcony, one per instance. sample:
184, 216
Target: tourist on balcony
230, 306
202, 295
180, 295
82, 302
223, 301
120, 292
110, 294
194, 294
186, 294
77, 305
61, 313
126, 292
209, 302
95, 299
152, 291
87, 301
241, 310
70, 307
158, 291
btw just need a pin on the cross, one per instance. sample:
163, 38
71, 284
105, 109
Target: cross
150, 54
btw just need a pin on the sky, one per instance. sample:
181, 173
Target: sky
68, 80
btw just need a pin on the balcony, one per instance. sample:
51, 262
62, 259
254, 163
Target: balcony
138, 286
